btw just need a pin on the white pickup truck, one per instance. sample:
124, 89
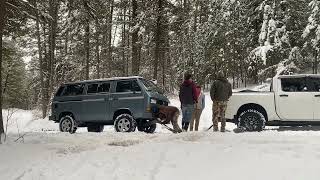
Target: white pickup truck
292, 100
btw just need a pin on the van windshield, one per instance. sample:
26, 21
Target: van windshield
151, 86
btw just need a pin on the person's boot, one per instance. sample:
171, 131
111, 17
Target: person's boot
222, 130
215, 129
186, 126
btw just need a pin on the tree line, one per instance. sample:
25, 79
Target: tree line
69, 40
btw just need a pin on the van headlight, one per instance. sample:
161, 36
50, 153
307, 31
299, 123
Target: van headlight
153, 101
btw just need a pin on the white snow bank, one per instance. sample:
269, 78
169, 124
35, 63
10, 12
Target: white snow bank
21, 121
186, 156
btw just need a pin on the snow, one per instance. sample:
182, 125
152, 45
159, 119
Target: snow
261, 52
44, 153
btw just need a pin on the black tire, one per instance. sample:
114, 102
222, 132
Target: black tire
125, 123
147, 129
95, 128
252, 120
68, 124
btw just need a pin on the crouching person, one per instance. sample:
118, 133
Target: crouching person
169, 114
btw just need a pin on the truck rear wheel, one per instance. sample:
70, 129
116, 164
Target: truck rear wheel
125, 123
252, 120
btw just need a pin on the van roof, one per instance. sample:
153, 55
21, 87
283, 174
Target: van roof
299, 76
105, 79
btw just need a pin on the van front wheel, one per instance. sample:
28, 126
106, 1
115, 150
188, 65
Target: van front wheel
125, 123
145, 127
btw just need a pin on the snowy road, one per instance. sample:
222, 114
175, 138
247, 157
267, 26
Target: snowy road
46, 154
202, 155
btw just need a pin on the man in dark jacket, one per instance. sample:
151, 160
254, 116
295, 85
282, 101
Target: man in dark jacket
188, 98
220, 93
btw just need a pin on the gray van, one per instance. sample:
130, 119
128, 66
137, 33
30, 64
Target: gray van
125, 102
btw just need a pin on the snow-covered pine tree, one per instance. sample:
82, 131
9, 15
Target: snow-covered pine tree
280, 33
312, 35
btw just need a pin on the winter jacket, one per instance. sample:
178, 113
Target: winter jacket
221, 90
198, 92
187, 93
201, 102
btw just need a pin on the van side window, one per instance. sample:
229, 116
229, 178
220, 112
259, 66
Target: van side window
104, 88
92, 88
73, 90
294, 85
315, 82
127, 86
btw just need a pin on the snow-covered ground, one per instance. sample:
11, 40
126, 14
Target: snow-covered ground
44, 153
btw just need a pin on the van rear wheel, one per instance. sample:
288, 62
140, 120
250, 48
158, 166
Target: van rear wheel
252, 120
67, 124
125, 123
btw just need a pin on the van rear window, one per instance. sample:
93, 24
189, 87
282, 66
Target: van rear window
59, 92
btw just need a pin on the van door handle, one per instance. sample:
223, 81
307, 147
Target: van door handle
113, 99
284, 95
317, 95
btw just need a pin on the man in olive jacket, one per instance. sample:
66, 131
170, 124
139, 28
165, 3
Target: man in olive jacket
220, 93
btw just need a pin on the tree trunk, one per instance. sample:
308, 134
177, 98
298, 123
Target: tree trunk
87, 46
43, 100
123, 44
97, 47
315, 62
157, 41
2, 23
109, 54
45, 67
53, 11
135, 45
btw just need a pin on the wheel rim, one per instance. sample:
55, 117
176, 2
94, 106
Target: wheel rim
66, 125
124, 125
251, 122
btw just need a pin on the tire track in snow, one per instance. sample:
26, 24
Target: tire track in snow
159, 164
115, 167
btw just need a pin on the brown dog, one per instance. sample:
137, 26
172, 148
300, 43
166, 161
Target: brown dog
169, 114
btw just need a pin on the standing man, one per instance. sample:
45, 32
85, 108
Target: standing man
188, 98
198, 110
220, 93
